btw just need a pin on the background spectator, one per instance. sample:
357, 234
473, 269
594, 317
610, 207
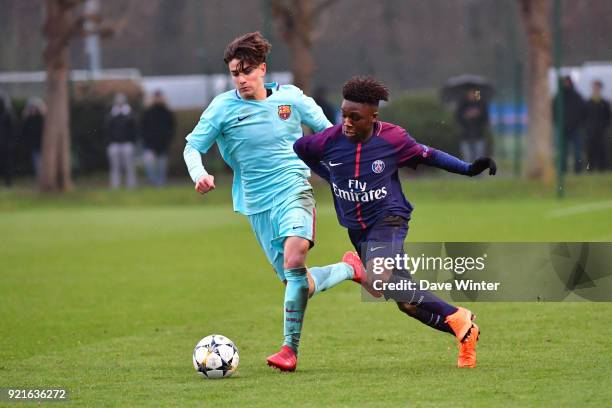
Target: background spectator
32, 130
596, 123
120, 129
573, 119
7, 141
329, 110
473, 117
158, 125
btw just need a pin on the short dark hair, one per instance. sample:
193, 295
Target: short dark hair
251, 48
365, 89
598, 83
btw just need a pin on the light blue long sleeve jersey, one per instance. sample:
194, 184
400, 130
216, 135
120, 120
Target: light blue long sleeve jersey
255, 138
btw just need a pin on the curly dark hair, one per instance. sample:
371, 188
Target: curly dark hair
365, 89
251, 48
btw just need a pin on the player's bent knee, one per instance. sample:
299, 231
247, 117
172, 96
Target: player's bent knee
406, 308
295, 253
295, 261
295, 257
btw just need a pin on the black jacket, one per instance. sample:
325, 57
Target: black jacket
573, 110
158, 128
120, 128
31, 132
7, 135
597, 116
473, 116
328, 110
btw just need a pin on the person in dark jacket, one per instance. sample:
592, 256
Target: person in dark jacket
472, 115
596, 123
32, 130
573, 120
121, 132
158, 126
330, 111
7, 141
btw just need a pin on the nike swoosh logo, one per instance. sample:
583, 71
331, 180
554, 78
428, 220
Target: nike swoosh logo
240, 119
292, 311
298, 226
376, 248
334, 164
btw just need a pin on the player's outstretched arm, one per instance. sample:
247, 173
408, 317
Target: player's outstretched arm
450, 163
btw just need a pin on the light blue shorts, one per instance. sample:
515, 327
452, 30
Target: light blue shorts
293, 217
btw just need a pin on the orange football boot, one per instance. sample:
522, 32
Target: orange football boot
460, 322
467, 348
467, 334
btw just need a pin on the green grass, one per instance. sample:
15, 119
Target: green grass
107, 293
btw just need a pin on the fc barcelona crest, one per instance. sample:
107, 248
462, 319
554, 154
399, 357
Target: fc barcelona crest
284, 111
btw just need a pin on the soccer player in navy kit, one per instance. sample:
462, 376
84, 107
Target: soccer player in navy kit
360, 159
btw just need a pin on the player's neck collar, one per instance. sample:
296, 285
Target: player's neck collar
270, 88
376, 127
272, 85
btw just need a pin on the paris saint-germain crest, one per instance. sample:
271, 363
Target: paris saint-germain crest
378, 166
284, 111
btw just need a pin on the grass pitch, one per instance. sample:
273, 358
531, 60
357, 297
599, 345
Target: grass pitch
106, 294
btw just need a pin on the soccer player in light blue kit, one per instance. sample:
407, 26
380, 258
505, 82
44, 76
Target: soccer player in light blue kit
255, 127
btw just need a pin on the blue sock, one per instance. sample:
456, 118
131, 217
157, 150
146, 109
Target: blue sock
326, 277
296, 298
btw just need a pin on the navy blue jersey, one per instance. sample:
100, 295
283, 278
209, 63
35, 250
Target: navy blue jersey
363, 176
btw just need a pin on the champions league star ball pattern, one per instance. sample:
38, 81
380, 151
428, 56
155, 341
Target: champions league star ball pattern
215, 356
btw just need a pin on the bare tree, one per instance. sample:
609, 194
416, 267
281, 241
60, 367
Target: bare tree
62, 24
296, 20
536, 16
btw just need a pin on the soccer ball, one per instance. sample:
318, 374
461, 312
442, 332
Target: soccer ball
215, 356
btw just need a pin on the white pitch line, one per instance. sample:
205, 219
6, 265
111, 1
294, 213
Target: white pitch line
580, 209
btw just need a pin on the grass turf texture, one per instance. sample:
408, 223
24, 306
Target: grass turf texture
107, 293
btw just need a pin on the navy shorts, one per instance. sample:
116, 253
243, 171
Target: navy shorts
383, 239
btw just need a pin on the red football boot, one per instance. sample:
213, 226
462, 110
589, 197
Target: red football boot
360, 276
284, 360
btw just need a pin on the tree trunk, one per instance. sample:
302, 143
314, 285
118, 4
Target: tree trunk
300, 46
296, 21
536, 16
302, 65
55, 168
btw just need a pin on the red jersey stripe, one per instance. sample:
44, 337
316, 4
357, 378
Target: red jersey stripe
358, 205
359, 217
357, 158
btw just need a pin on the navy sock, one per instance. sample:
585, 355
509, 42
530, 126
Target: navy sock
432, 320
421, 298
436, 305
